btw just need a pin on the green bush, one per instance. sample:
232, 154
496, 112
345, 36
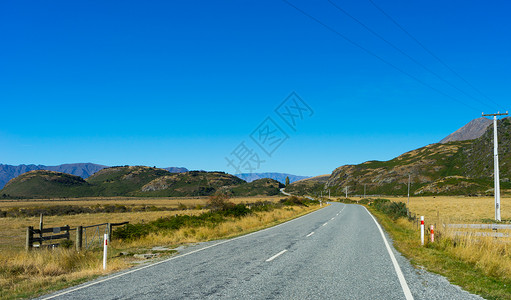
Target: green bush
293, 200
394, 210
224, 210
131, 231
238, 210
264, 206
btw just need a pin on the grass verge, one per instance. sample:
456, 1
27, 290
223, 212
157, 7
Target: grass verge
478, 266
30, 274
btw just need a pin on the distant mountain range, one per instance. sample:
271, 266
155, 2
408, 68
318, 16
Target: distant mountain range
280, 177
84, 170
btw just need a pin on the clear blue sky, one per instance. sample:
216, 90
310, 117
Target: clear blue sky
183, 83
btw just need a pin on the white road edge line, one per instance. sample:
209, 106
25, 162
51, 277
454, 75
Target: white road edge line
174, 257
277, 255
400, 276
310, 234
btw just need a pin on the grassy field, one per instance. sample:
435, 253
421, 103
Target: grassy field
442, 210
160, 202
27, 274
456, 209
12, 230
479, 264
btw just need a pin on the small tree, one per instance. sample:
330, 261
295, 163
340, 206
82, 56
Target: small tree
219, 202
287, 180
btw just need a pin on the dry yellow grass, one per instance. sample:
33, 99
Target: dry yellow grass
24, 274
12, 230
491, 255
457, 208
158, 202
227, 229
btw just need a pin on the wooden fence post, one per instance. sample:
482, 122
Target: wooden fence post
30, 236
41, 231
79, 236
109, 231
67, 231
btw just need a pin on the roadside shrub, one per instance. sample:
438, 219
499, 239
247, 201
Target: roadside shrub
223, 210
131, 231
238, 210
300, 201
265, 206
219, 202
293, 200
395, 210
134, 231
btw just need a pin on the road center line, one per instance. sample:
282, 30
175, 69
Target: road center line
325, 224
400, 276
332, 218
310, 234
277, 255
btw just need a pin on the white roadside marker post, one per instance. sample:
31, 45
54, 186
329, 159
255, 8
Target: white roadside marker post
105, 246
432, 230
422, 230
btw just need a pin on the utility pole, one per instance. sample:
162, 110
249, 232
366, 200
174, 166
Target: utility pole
346, 188
496, 163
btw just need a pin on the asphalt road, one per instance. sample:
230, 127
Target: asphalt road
338, 252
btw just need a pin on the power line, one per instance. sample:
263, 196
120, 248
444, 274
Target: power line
402, 52
431, 53
378, 57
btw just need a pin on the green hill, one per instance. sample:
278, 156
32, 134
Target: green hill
259, 187
193, 183
44, 184
309, 186
123, 181
461, 168
138, 181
